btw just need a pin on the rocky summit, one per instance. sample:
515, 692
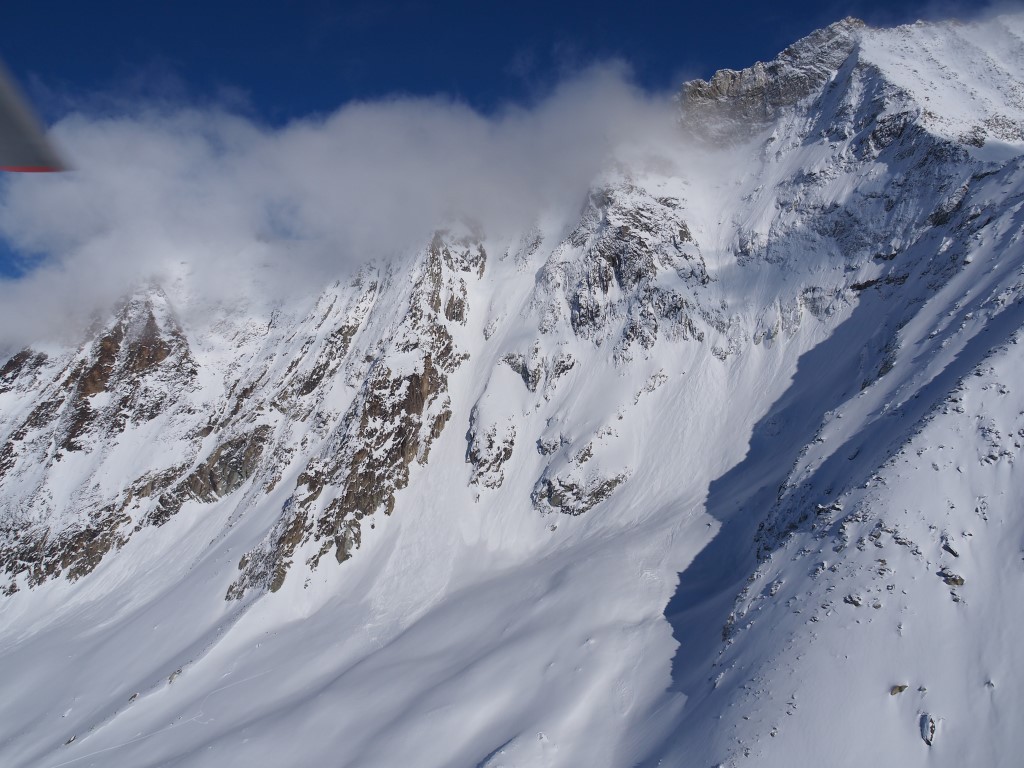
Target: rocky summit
721, 474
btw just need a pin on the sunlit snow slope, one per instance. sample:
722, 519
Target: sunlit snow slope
722, 473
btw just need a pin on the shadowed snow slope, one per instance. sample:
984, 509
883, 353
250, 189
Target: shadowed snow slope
721, 473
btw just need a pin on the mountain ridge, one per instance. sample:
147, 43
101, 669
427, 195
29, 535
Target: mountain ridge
464, 485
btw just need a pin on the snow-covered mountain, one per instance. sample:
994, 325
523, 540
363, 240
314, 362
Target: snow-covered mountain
722, 474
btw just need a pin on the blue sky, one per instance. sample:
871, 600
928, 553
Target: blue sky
262, 97
279, 59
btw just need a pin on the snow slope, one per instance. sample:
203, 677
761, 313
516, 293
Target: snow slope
703, 478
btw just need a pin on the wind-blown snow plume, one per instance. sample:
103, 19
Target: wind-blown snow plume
721, 470
211, 195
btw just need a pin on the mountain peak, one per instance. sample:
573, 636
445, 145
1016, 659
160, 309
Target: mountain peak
739, 101
649, 488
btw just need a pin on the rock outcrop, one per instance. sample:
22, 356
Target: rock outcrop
733, 104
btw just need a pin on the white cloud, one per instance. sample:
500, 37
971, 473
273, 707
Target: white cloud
156, 189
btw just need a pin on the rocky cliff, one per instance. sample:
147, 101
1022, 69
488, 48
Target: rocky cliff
701, 477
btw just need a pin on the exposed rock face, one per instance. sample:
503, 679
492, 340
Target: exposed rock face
123, 363
123, 380
735, 104
223, 472
74, 551
140, 370
529, 370
22, 362
574, 498
929, 728
631, 274
574, 482
489, 448
608, 272
391, 423
360, 411
799, 353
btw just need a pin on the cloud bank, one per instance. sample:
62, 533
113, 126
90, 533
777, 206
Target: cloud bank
237, 207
